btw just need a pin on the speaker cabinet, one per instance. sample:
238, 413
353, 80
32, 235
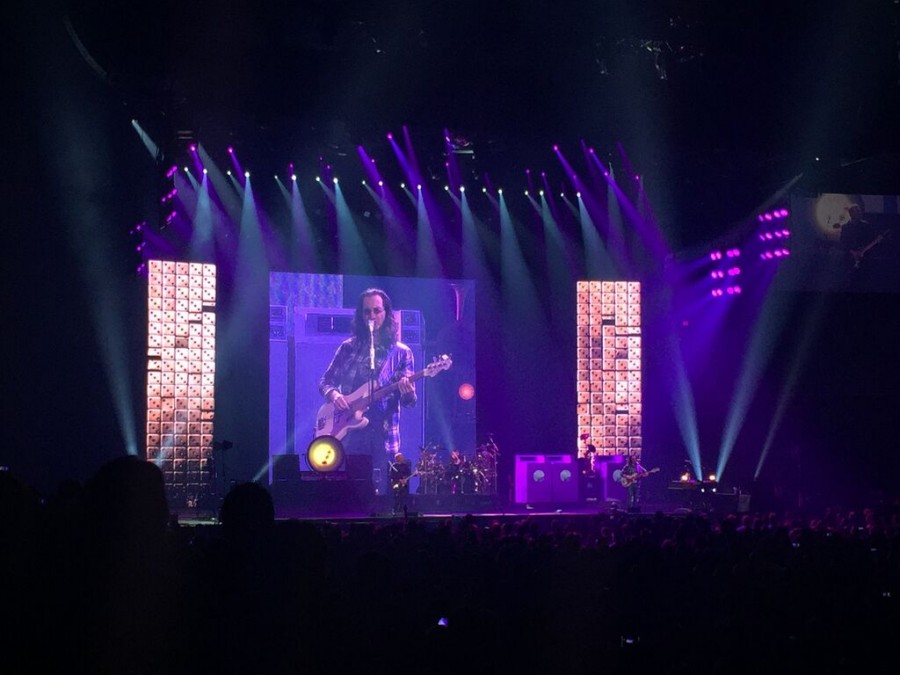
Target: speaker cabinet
545, 479
606, 472
285, 467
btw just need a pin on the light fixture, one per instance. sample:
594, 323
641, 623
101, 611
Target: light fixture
325, 454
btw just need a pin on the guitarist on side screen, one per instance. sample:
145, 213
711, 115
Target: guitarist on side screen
373, 357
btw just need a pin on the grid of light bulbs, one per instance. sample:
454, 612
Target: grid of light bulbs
608, 356
181, 369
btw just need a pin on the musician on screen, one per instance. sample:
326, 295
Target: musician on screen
632, 472
372, 359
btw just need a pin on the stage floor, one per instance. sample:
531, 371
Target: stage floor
482, 507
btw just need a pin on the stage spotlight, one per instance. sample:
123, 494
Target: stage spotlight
500, 191
578, 194
419, 187
246, 174
294, 177
206, 171
334, 180
462, 188
325, 454
402, 186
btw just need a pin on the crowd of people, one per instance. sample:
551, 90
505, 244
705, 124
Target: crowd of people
104, 577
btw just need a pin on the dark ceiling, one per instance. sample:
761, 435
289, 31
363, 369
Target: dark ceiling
707, 98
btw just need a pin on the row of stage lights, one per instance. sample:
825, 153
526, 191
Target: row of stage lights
775, 240
731, 255
336, 181
776, 214
778, 236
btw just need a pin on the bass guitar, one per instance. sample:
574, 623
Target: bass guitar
338, 423
403, 480
858, 254
628, 481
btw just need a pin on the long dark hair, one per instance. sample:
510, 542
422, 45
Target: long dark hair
389, 328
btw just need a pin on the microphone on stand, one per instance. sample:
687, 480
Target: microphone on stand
372, 345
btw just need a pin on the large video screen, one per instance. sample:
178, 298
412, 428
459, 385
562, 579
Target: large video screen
846, 242
310, 315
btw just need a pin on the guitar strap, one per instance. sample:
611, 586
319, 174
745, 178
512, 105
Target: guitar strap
385, 367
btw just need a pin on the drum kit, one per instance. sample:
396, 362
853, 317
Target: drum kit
458, 474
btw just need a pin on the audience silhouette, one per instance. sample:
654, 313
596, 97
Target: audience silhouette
102, 578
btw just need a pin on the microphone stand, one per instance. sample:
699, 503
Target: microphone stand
379, 482
372, 346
